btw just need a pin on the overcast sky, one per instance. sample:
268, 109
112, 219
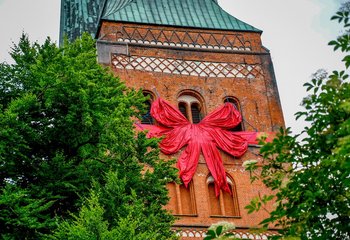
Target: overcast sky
295, 31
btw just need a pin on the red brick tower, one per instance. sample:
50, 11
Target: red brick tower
196, 56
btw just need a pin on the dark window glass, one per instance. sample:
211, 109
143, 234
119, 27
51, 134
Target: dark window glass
147, 118
196, 116
182, 108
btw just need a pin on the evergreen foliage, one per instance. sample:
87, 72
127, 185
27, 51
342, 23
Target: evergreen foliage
65, 122
310, 172
134, 220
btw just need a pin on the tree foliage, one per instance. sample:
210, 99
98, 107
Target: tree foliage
65, 122
310, 172
134, 220
221, 231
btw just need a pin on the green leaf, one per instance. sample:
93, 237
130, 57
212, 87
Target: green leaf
210, 234
219, 230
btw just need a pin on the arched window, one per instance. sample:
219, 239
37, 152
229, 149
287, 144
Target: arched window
235, 103
182, 199
147, 118
196, 114
191, 107
225, 204
182, 108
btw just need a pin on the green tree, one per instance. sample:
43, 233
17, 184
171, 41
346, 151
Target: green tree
128, 216
310, 172
64, 122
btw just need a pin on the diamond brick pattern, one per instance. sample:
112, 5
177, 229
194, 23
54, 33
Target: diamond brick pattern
187, 67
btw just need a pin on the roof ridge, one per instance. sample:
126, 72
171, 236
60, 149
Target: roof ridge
204, 14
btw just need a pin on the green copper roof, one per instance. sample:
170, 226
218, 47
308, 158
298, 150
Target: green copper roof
182, 13
78, 16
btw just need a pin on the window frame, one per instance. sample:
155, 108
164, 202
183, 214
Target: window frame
220, 199
149, 104
233, 100
189, 99
179, 202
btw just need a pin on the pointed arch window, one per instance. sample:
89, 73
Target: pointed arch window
224, 205
234, 101
147, 117
191, 107
182, 199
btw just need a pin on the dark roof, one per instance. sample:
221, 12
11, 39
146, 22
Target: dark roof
183, 13
78, 16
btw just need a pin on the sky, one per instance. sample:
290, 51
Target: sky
295, 31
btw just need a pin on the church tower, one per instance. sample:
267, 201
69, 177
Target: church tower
197, 57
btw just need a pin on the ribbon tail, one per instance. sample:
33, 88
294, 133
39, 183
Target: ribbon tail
188, 161
215, 165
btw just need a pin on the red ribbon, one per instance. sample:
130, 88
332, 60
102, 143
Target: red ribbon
208, 136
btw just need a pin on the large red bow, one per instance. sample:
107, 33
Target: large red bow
206, 137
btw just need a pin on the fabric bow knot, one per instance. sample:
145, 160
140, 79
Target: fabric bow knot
209, 135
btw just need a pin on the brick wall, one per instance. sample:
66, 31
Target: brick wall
210, 65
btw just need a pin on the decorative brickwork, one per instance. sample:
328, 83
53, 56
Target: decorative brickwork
188, 232
187, 67
179, 38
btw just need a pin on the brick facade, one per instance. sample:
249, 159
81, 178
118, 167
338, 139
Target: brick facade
210, 66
